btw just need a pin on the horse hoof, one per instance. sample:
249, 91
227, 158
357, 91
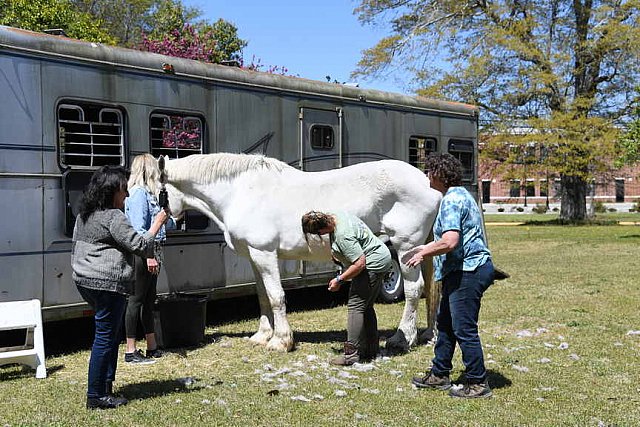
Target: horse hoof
397, 344
279, 345
427, 337
259, 339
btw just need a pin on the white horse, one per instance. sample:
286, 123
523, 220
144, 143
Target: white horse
258, 203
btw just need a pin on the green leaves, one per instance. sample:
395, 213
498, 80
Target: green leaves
39, 15
169, 26
629, 143
566, 70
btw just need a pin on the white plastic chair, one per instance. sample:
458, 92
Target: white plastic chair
24, 315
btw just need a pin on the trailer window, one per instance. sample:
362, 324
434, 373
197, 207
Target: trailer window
419, 148
90, 135
321, 137
175, 135
463, 151
178, 135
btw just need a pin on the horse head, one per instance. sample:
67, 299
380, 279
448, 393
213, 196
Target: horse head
177, 203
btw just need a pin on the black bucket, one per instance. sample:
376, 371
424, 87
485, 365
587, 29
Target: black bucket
180, 320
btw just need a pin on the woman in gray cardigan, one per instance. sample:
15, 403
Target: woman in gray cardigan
104, 244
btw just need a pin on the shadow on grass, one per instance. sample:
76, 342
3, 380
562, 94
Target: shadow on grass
338, 336
156, 388
496, 379
17, 372
69, 336
331, 336
245, 308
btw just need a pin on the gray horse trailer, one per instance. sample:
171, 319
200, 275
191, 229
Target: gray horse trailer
71, 106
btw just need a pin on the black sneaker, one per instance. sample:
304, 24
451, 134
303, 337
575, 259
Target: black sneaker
138, 358
431, 380
472, 391
105, 402
155, 354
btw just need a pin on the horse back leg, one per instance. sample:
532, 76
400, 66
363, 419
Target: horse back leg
407, 334
407, 227
266, 264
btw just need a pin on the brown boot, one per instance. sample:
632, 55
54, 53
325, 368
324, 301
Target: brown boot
349, 357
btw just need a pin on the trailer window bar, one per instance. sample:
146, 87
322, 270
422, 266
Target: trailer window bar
175, 135
89, 136
419, 148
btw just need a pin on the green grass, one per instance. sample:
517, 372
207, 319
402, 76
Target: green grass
569, 286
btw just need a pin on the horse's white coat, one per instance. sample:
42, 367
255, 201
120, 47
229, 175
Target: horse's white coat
258, 202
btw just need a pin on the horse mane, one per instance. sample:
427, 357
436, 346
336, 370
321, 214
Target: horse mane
205, 168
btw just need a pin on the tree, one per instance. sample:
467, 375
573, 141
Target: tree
177, 33
564, 68
630, 143
166, 26
125, 20
39, 15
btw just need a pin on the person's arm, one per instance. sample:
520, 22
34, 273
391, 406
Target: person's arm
449, 241
352, 271
126, 236
153, 266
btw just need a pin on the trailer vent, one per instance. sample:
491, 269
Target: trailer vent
90, 136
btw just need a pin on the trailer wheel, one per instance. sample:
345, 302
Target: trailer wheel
392, 289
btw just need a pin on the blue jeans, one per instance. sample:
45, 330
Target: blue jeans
109, 309
457, 321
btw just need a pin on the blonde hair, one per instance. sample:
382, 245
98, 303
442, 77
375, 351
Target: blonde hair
145, 173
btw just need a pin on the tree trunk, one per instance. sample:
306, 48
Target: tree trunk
573, 198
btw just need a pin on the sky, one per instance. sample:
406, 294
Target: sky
311, 38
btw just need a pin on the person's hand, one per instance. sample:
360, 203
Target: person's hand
162, 216
334, 285
413, 257
153, 266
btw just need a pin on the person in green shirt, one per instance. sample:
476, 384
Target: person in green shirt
366, 260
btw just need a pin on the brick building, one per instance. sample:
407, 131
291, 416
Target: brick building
532, 188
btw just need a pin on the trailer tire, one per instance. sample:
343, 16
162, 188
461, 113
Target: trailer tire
392, 289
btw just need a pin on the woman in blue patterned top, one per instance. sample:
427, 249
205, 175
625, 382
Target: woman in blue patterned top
462, 262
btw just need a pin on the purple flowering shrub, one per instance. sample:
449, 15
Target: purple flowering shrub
190, 44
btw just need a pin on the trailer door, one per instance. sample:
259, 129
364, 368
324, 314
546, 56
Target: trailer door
320, 139
320, 149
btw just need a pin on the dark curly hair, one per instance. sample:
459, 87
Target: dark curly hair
104, 184
314, 221
445, 167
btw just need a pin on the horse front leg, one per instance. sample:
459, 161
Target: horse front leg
407, 334
265, 324
266, 264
